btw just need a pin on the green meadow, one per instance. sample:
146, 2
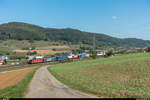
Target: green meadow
125, 75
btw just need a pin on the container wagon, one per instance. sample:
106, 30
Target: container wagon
81, 56
50, 59
61, 58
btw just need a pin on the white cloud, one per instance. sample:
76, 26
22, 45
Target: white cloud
114, 17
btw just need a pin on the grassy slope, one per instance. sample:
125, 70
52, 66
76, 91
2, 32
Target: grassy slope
15, 44
17, 91
119, 76
9, 46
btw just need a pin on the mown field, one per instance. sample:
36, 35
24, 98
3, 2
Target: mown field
119, 76
19, 88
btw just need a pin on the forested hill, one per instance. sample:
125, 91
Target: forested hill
24, 31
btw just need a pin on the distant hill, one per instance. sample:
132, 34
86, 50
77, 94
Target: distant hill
24, 31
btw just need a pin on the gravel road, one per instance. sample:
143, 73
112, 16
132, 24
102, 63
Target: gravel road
44, 85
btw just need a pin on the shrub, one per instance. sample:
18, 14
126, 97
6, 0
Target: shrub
109, 53
25, 48
32, 53
33, 48
54, 49
148, 49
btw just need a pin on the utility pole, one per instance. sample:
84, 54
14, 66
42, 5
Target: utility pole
94, 52
93, 41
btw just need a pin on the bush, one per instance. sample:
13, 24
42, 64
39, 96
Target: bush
54, 49
32, 53
33, 48
148, 49
109, 53
16, 57
31, 41
25, 48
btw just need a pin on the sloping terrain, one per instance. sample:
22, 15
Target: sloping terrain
24, 31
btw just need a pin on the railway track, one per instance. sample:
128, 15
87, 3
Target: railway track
23, 65
30, 65
13, 66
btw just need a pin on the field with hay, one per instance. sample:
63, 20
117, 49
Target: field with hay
125, 75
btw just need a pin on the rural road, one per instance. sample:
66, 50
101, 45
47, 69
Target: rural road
44, 85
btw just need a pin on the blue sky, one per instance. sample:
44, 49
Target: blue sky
119, 18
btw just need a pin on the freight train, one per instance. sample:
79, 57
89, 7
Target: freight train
59, 58
70, 56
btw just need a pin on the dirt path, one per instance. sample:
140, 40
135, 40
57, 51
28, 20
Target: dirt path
44, 85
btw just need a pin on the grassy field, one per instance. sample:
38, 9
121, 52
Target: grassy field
17, 91
16, 47
125, 75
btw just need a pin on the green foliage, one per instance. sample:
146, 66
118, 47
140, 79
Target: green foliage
28, 48
148, 49
24, 31
77, 51
31, 41
94, 55
32, 53
17, 57
109, 53
33, 48
25, 48
54, 49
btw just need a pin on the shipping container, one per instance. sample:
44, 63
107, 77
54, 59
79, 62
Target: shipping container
50, 59
101, 54
39, 57
61, 58
87, 55
69, 57
81, 55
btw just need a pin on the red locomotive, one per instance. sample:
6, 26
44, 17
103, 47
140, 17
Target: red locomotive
75, 57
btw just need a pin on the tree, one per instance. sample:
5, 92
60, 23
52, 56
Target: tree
148, 49
109, 53
31, 41
94, 55
32, 53
5, 62
33, 48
